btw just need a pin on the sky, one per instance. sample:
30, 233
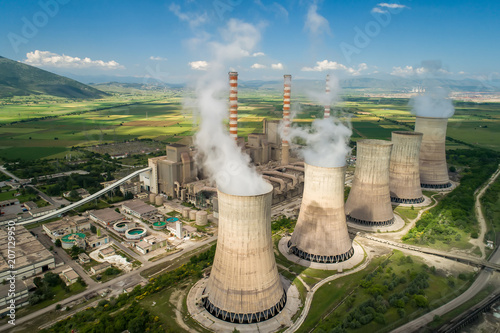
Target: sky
170, 40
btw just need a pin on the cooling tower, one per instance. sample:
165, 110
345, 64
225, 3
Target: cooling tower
433, 168
369, 202
244, 286
404, 175
233, 105
327, 91
321, 231
285, 145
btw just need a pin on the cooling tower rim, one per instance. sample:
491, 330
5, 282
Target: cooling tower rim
436, 118
325, 168
374, 142
269, 189
408, 133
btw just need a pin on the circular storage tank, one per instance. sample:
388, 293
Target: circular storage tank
152, 197
159, 200
192, 214
135, 233
68, 241
120, 226
172, 219
185, 212
201, 218
159, 225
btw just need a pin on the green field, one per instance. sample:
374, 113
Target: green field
24, 134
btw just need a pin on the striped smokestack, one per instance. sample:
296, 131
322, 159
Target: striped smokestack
233, 105
285, 146
327, 106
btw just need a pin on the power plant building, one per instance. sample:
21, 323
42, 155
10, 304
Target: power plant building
404, 174
170, 172
433, 167
369, 201
244, 285
321, 234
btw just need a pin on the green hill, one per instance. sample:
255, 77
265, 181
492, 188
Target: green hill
18, 79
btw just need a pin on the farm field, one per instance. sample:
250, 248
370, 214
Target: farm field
162, 118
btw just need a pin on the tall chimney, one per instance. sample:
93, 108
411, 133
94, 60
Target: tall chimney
369, 202
321, 231
233, 105
327, 106
244, 285
433, 168
404, 176
285, 145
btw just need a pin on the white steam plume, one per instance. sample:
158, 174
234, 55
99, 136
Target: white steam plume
327, 140
433, 103
222, 159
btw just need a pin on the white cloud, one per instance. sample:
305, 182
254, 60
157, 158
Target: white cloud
418, 71
258, 66
157, 58
392, 5
200, 65
327, 65
315, 23
192, 19
379, 10
49, 59
278, 66
258, 54
462, 73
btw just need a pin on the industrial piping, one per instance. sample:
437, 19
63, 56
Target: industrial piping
244, 285
321, 234
369, 202
404, 175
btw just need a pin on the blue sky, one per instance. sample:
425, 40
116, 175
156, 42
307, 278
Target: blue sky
170, 40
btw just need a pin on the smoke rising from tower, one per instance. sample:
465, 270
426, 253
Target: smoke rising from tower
327, 140
433, 103
222, 159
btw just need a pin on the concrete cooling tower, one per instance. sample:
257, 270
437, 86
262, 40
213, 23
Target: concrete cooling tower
244, 286
404, 175
369, 202
433, 168
321, 231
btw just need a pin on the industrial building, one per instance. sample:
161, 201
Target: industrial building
404, 173
320, 234
31, 256
106, 217
433, 167
244, 285
170, 172
138, 208
67, 225
369, 201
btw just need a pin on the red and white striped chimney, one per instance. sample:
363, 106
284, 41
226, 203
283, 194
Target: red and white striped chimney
285, 147
327, 105
233, 105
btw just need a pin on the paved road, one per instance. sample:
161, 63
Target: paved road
476, 287
479, 242
2, 169
116, 285
45, 196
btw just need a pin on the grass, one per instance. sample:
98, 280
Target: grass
407, 212
333, 295
59, 295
